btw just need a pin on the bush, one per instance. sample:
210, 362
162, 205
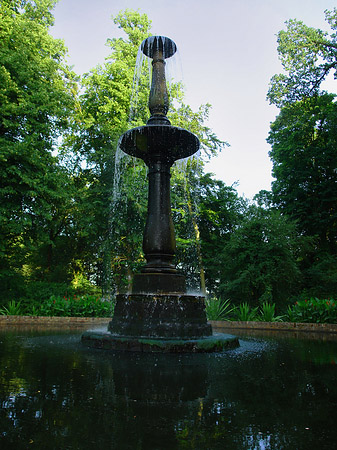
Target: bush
12, 309
37, 290
267, 313
217, 309
245, 313
72, 306
41, 290
313, 311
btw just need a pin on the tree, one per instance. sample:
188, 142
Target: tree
36, 95
307, 55
260, 260
220, 211
304, 139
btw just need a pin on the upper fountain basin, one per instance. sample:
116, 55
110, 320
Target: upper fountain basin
163, 142
161, 44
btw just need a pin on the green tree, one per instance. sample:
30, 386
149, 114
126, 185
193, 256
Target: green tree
260, 260
37, 92
304, 139
307, 55
220, 211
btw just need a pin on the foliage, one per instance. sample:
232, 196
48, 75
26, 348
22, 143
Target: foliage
107, 210
303, 311
217, 309
71, 306
304, 139
319, 274
12, 309
37, 90
313, 310
65, 219
82, 306
220, 210
267, 313
260, 260
307, 55
245, 313
37, 290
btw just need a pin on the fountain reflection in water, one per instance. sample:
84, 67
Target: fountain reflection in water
268, 394
158, 314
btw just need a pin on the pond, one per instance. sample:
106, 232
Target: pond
271, 393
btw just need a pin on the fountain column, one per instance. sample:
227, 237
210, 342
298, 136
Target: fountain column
159, 242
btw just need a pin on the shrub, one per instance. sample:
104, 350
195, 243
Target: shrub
267, 313
12, 309
217, 309
245, 313
313, 311
74, 306
37, 290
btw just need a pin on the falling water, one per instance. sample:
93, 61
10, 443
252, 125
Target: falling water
127, 211
127, 173
187, 220
141, 71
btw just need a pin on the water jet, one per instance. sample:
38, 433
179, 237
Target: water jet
158, 314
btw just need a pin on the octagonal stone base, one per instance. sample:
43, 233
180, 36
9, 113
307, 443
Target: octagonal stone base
210, 344
174, 316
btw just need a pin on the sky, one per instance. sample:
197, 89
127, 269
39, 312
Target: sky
228, 53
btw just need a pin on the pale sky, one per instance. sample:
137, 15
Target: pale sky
228, 52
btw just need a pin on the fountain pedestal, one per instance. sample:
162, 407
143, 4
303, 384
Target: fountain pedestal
160, 316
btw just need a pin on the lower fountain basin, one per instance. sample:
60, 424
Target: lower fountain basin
211, 344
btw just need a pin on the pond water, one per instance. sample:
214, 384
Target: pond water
271, 393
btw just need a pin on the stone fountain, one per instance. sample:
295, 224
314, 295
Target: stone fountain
158, 314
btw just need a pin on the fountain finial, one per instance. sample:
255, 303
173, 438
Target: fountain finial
158, 48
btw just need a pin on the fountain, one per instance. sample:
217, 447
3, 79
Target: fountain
158, 314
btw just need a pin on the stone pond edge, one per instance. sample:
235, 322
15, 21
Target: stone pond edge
87, 322
275, 326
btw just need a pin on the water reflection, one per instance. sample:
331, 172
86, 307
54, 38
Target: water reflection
269, 394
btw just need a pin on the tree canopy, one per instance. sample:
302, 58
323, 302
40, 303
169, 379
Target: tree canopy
37, 92
259, 262
307, 55
304, 140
